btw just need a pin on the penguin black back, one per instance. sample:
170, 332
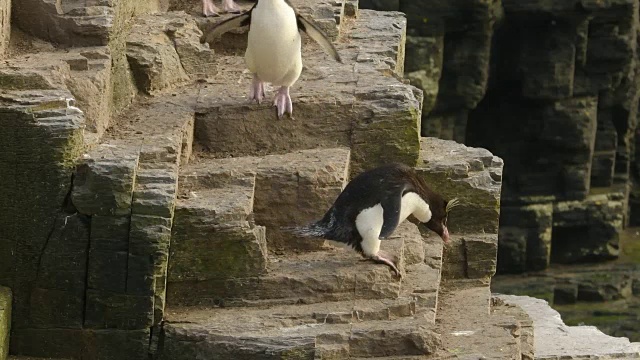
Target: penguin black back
384, 185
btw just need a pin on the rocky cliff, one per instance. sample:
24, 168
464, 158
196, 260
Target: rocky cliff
552, 88
143, 196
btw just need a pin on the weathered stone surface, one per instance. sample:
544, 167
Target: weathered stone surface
555, 340
449, 126
5, 321
567, 128
525, 237
41, 142
565, 293
153, 59
57, 299
165, 49
362, 329
213, 234
481, 252
5, 28
85, 72
290, 189
134, 248
387, 30
358, 111
470, 256
104, 180
330, 275
512, 249
79, 23
587, 230
116, 310
547, 61
91, 84
81, 344
295, 189
215, 253
472, 175
476, 326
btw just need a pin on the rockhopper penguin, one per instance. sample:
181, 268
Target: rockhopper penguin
274, 52
373, 204
208, 9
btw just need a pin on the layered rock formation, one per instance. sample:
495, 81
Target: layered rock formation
144, 197
552, 88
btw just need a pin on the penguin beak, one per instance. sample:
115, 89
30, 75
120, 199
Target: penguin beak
445, 234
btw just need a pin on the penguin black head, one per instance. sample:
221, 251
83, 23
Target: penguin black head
440, 209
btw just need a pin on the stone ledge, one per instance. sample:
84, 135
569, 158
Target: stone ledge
473, 175
300, 339
84, 72
474, 329
554, 340
335, 105
330, 275
290, 189
78, 23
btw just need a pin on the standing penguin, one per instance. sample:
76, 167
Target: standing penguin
373, 204
208, 9
274, 53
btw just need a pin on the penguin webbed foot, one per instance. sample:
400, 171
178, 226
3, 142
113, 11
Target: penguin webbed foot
283, 103
209, 9
257, 90
230, 6
382, 258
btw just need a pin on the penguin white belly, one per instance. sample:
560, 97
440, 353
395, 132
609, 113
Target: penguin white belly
369, 224
274, 45
413, 204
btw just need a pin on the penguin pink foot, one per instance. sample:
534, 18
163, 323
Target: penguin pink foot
283, 102
209, 9
383, 258
230, 6
257, 90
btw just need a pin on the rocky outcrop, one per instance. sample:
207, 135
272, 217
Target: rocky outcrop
555, 340
156, 230
550, 88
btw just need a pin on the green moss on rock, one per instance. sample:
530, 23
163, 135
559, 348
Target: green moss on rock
5, 321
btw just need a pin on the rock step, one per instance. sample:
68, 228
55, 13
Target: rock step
335, 105
472, 329
328, 275
5, 321
224, 205
282, 338
259, 319
555, 340
333, 274
290, 189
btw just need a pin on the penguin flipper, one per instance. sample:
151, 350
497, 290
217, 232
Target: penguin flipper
318, 36
222, 27
390, 214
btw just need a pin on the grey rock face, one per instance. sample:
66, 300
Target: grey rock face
539, 83
554, 340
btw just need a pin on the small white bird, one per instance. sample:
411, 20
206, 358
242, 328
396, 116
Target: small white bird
274, 49
208, 9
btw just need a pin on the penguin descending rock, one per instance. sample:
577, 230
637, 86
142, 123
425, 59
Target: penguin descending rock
208, 9
274, 52
373, 204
